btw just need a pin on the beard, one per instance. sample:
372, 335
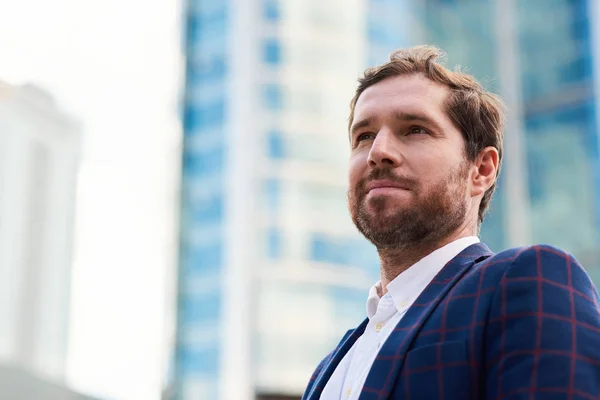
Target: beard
434, 215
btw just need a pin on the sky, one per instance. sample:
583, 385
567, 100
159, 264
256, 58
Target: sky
115, 66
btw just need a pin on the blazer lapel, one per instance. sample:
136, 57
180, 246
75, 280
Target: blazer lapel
342, 348
389, 361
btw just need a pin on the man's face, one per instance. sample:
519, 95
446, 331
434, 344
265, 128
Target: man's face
408, 175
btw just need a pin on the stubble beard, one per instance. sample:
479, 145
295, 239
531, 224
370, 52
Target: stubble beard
434, 215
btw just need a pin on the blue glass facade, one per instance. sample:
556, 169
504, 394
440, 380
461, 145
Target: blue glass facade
271, 11
202, 199
562, 160
560, 122
299, 204
559, 119
352, 252
384, 31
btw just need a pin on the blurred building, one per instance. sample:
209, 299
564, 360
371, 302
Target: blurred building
20, 384
542, 57
272, 271
266, 236
39, 150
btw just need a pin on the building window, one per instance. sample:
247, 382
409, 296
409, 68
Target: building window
347, 302
199, 116
272, 193
343, 251
272, 51
204, 309
275, 145
202, 260
204, 72
206, 30
271, 10
575, 71
273, 97
329, 250
211, 210
205, 361
202, 164
319, 249
274, 242
562, 157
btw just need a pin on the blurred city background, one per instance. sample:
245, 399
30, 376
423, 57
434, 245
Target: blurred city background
173, 219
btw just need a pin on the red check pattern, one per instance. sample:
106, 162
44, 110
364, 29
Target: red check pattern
521, 324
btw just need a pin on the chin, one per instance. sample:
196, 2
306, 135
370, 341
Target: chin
382, 206
383, 218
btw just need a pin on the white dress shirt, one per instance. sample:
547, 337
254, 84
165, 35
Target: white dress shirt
384, 313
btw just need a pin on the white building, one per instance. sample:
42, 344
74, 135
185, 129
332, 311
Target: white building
39, 150
272, 270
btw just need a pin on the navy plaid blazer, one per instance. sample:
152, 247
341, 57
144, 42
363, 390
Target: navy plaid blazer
520, 324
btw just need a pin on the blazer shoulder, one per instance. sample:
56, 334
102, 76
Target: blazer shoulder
528, 260
499, 262
522, 254
537, 260
536, 255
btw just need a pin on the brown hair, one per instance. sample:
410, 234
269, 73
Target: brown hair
476, 112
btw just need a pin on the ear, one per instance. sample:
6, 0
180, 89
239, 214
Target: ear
485, 171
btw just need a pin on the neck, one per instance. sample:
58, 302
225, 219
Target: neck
397, 260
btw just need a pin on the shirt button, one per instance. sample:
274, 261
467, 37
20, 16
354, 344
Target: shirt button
404, 304
348, 391
378, 326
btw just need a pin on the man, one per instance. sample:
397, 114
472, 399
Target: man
449, 318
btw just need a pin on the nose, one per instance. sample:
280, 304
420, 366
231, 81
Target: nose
384, 151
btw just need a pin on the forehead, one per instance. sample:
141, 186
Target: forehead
410, 93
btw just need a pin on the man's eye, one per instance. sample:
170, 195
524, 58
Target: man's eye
416, 130
364, 136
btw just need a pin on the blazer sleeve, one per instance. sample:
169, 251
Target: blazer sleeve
543, 332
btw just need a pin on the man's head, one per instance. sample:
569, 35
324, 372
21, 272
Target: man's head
426, 149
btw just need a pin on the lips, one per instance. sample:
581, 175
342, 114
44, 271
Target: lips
385, 184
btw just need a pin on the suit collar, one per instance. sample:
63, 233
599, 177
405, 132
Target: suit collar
389, 361
407, 286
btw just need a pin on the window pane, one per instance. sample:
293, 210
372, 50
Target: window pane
272, 51
273, 97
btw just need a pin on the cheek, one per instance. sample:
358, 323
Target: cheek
433, 170
357, 166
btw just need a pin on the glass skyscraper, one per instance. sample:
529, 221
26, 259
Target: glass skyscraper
539, 55
272, 270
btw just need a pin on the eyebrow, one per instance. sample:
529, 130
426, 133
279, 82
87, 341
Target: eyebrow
360, 124
408, 117
401, 116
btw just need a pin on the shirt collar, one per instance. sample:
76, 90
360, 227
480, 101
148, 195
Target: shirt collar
407, 286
